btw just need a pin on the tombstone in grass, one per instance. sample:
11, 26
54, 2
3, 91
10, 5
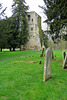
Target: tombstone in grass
48, 63
64, 60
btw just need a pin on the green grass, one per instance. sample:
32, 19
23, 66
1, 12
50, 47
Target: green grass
21, 77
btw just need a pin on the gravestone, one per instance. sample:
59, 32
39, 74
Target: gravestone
48, 63
64, 60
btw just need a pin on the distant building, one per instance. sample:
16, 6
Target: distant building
34, 40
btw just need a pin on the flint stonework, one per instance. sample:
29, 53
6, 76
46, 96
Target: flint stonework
48, 64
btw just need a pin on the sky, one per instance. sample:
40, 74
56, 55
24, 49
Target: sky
33, 6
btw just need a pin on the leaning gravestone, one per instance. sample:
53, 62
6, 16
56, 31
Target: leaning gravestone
48, 63
64, 60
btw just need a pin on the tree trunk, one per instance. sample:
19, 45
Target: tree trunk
52, 55
10, 49
13, 48
1, 49
42, 52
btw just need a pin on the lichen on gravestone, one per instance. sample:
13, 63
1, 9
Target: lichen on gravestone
48, 64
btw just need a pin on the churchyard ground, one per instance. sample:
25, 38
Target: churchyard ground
21, 76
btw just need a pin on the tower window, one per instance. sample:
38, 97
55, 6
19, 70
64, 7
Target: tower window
32, 20
28, 17
31, 28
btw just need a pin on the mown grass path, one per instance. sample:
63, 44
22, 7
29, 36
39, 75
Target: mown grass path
21, 77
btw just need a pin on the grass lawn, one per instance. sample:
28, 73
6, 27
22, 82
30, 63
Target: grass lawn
21, 77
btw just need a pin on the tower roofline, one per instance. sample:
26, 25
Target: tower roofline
33, 12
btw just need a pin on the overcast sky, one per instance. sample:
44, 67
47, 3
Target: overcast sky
33, 6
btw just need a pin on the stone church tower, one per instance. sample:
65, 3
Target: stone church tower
34, 40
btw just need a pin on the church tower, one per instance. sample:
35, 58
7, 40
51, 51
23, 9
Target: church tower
34, 40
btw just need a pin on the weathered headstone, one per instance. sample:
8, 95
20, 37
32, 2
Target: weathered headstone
48, 63
64, 60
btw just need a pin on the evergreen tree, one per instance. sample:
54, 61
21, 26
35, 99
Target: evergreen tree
19, 12
56, 13
2, 11
41, 33
24, 31
12, 33
2, 28
45, 39
3, 36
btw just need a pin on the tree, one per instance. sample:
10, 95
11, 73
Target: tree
24, 31
3, 36
19, 12
2, 28
65, 34
12, 33
41, 33
65, 37
2, 11
45, 39
56, 13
